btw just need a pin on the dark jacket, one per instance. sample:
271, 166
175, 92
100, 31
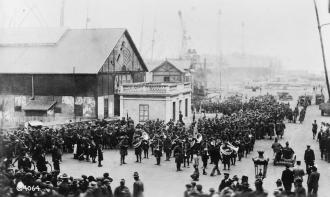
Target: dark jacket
224, 183
309, 156
138, 189
313, 180
287, 177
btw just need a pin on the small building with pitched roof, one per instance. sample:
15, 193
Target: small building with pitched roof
75, 73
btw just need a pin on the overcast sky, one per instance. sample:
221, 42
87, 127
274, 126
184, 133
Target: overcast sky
281, 28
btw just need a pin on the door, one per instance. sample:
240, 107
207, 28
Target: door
117, 105
173, 117
106, 107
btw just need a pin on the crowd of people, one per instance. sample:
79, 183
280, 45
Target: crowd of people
226, 138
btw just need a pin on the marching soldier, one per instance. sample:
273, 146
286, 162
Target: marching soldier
145, 147
123, 149
178, 154
158, 150
186, 155
205, 157
314, 129
100, 155
167, 148
138, 150
226, 157
215, 157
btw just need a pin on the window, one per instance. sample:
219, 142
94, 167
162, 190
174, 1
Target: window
143, 113
186, 108
18, 108
78, 110
166, 79
180, 104
58, 110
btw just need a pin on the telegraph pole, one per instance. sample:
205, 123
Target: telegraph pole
322, 47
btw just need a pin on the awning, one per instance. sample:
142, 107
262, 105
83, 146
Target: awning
36, 105
35, 123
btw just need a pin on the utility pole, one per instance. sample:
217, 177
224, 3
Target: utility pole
153, 43
74, 94
62, 13
243, 39
219, 48
322, 47
141, 36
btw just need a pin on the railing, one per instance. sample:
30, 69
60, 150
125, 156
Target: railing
154, 88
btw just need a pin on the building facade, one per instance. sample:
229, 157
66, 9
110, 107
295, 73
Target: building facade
74, 74
149, 101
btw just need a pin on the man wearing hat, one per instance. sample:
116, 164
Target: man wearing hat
122, 190
123, 149
313, 181
309, 157
226, 182
188, 190
298, 172
64, 187
299, 191
138, 187
287, 179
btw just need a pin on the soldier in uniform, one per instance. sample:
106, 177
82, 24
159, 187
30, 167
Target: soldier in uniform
158, 150
123, 150
309, 157
226, 182
314, 129
167, 148
186, 153
178, 154
24, 163
205, 157
100, 155
215, 157
41, 162
138, 151
226, 157
295, 114
145, 147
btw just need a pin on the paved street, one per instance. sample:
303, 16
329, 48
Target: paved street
165, 181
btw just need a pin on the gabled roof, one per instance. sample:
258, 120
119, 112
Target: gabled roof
181, 65
85, 50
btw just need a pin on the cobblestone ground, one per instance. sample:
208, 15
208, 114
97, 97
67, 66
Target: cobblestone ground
165, 181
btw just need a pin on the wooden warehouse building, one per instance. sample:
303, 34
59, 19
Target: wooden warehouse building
60, 74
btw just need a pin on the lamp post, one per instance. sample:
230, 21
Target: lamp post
260, 165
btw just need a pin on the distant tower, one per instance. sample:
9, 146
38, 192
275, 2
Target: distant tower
243, 39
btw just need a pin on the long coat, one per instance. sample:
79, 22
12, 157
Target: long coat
138, 189
309, 156
287, 177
